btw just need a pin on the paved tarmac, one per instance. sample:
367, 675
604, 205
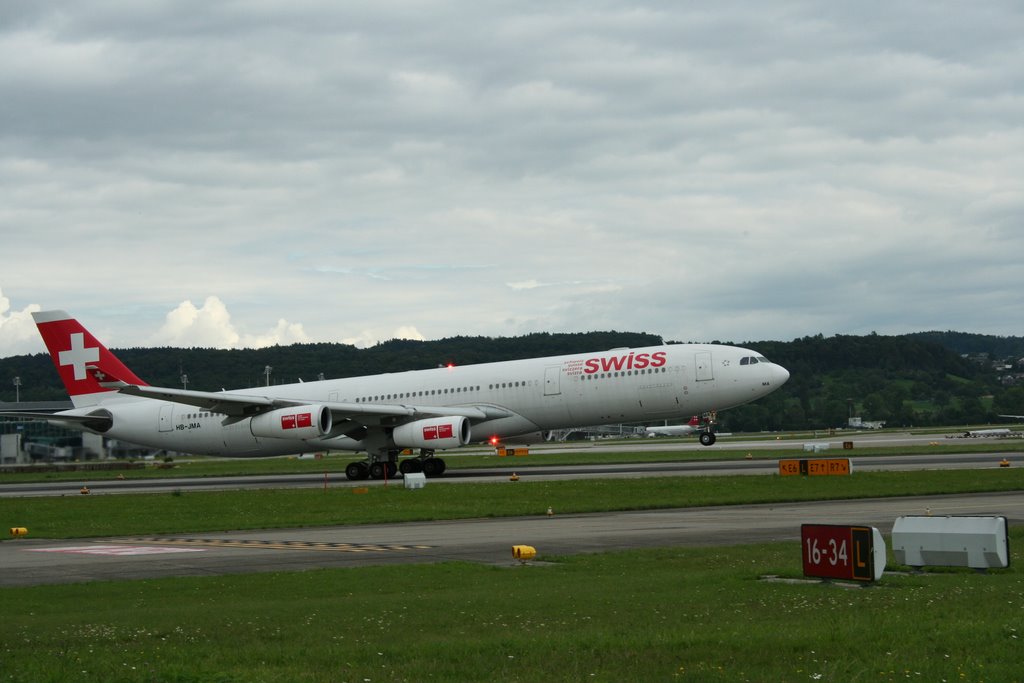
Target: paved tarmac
532, 472
27, 561
31, 561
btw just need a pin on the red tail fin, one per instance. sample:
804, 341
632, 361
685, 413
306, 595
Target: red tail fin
85, 365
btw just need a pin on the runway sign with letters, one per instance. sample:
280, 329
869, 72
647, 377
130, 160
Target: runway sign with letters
854, 553
815, 467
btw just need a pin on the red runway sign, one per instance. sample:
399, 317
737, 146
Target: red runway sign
838, 552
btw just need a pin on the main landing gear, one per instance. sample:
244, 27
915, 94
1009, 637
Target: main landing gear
385, 465
707, 435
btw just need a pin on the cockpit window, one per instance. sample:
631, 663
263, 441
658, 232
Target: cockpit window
763, 359
753, 360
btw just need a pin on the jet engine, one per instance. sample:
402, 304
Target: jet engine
297, 422
526, 439
436, 433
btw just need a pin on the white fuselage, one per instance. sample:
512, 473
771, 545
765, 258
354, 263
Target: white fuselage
627, 385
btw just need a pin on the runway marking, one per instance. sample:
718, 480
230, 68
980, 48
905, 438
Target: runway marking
281, 545
118, 550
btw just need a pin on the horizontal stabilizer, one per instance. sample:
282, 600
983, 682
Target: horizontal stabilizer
98, 420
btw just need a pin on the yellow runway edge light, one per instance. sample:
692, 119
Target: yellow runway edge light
524, 552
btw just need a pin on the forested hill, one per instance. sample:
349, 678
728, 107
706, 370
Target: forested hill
965, 342
903, 380
216, 369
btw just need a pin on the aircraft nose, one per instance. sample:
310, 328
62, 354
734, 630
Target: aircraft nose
781, 375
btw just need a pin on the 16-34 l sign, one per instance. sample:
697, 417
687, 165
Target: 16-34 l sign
855, 553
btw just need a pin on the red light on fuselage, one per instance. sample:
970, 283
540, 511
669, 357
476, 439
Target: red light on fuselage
494, 441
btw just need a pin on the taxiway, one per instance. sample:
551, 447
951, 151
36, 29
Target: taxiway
31, 561
28, 562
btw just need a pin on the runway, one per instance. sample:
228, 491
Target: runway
527, 473
943, 458
29, 561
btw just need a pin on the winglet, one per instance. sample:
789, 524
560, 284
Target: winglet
87, 368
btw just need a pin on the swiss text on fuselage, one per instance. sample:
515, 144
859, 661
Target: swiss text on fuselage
637, 361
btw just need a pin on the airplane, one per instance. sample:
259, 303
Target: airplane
988, 432
517, 401
691, 427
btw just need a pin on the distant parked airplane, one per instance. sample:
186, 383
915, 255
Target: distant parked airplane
988, 432
429, 410
691, 427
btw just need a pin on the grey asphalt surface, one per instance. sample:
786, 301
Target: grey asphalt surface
32, 561
28, 561
729, 465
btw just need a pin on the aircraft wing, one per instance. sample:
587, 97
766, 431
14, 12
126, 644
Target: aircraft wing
244, 405
234, 405
56, 417
97, 419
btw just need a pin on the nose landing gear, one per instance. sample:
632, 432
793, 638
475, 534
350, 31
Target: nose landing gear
707, 435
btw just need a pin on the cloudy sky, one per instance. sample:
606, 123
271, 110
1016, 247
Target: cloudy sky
196, 173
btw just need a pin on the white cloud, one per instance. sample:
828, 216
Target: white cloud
17, 329
42, 57
525, 284
368, 338
284, 333
211, 326
578, 285
737, 171
187, 326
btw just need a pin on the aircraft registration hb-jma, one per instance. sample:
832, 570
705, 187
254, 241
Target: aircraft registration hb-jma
516, 401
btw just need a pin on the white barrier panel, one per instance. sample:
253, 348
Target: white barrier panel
414, 480
975, 542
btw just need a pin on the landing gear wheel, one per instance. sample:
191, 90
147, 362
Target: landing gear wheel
377, 470
410, 466
707, 438
434, 467
356, 471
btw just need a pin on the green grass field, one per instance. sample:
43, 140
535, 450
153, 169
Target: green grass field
689, 614
680, 613
128, 514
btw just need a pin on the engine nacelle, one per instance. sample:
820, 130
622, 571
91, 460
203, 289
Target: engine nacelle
297, 422
436, 433
525, 439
